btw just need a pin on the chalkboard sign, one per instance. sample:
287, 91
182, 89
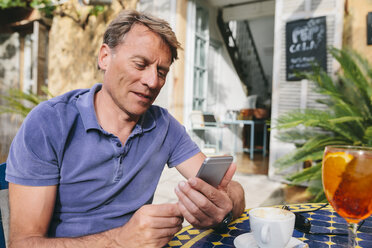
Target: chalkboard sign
369, 28
306, 45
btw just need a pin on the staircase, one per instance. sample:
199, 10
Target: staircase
243, 53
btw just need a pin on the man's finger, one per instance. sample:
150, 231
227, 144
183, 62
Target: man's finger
163, 210
166, 222
195, 202
228, 176
187, 215
207, 197
166, 232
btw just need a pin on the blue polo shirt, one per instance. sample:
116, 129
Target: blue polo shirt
101, 182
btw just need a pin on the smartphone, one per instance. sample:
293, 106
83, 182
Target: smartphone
214, 168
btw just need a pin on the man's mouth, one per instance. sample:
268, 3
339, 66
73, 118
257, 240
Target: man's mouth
143, 96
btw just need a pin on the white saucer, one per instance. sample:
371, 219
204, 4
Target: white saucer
246, 240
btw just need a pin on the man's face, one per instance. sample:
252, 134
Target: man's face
135, 70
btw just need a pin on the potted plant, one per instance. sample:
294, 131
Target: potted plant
15, 101
347, 120
16, 10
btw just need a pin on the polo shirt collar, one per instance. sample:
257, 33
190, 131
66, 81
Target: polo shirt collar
85, 105
145, 123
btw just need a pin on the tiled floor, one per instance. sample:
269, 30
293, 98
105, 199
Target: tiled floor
259, 166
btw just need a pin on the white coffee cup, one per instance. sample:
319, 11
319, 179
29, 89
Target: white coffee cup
271, 227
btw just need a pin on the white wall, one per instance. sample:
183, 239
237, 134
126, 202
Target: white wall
229, 89
263, 33
231, 93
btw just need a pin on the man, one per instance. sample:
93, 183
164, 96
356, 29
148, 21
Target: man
84, 166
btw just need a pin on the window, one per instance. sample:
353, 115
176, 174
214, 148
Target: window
213, 75
200, 59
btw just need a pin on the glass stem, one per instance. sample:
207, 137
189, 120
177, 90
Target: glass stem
352, 228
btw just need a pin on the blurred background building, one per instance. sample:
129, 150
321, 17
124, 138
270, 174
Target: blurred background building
233, 65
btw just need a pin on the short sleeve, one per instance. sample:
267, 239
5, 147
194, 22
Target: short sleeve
182, 146
33, 154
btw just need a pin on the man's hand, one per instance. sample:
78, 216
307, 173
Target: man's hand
150, 226
204, 206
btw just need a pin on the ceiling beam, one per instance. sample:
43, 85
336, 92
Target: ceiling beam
249, 11
221, 3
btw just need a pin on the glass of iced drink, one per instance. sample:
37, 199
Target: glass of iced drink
347, 183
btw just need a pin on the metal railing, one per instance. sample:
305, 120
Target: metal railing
243, 52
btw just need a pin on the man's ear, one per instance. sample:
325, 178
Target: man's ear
104, 57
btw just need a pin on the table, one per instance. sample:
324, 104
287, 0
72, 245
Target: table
323, 220
251, 123
208, 126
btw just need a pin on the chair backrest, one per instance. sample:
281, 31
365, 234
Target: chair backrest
3, 183
201, 119
4, 206
209, 120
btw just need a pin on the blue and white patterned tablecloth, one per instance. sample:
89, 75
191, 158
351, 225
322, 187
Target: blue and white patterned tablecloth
323, 220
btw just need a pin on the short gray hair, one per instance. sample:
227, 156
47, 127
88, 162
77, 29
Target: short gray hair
122, 24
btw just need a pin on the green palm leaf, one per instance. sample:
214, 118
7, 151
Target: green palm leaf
348, 119
15, 101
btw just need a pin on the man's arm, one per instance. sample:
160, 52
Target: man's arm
31, 210
201, 204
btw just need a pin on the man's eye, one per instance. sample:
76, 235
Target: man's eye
140, 66
161, 74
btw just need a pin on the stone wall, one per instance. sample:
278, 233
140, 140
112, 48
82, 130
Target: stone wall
71, 60
9, 78
73, 49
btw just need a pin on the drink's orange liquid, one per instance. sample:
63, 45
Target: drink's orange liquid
348, 184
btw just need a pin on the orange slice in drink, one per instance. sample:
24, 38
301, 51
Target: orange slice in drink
334, 164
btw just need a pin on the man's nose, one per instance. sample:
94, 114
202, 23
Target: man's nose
151, 78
